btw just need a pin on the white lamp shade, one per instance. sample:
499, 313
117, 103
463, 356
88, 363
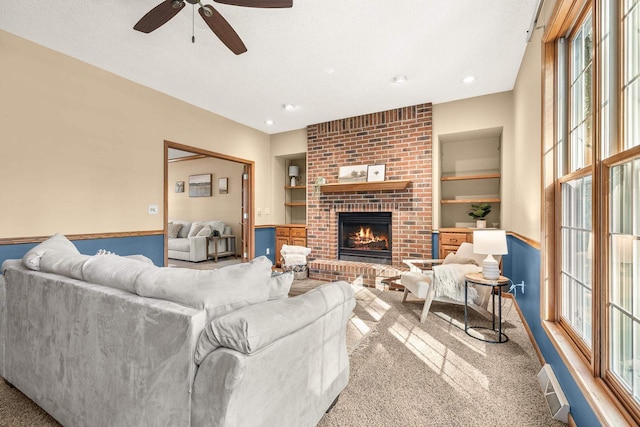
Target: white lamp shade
490, 242
294, 170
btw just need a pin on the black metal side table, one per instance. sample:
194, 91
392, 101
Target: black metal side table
496, 288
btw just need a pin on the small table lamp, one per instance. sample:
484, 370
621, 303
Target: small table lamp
294, 171
490, 242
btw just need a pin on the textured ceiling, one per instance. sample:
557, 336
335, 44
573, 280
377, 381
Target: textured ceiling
331, 58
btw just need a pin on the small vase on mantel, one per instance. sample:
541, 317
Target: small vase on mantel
481, 223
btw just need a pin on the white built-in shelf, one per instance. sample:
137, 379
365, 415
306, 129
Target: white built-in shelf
471, 200
469, 177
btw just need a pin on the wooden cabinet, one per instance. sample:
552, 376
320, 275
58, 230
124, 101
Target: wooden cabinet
291, 234
451, 239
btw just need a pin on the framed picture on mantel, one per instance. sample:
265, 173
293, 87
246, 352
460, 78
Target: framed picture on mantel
375, 173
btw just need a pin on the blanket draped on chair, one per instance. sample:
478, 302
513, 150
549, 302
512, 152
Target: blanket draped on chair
449, 281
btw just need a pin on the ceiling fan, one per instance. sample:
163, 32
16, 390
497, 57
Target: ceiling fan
166, 10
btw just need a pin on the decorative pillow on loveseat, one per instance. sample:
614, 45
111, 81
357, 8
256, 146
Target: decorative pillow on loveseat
56, 243
280, 285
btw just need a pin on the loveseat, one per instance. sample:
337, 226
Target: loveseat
188, 241
105, 340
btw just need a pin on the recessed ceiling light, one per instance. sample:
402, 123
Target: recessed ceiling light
468, 79
331, 71
399, 78
269, 122
289, 107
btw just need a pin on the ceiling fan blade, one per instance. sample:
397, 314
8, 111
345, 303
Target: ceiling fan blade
159, 15
222, 29
258, 3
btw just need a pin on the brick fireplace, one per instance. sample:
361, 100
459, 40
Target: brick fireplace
401, 140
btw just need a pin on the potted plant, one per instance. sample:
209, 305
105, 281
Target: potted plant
479, 213
320, 181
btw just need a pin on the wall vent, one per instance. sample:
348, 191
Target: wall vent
556, 400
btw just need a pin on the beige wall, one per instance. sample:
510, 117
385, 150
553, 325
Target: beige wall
527, 195
221, 207
82, 150
472, 114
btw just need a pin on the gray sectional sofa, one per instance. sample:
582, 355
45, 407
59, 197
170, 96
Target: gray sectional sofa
115, 341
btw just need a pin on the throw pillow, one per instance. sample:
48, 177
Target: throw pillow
457, 259
204, 231
280, 284
174, 229
195, 228
58, 243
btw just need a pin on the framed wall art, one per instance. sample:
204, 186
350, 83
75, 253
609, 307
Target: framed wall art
223, 185
200, 185
353, 173
375, 173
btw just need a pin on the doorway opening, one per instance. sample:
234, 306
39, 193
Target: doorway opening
229, 197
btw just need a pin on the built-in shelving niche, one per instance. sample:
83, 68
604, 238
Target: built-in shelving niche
470, 174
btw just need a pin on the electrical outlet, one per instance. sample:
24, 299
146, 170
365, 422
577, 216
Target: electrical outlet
259, 212
268, 251
153, 209
267, 211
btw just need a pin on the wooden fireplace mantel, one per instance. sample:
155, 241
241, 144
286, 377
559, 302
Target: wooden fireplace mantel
350, 187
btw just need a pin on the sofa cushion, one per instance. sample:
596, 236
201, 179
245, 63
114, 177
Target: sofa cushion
115, 271
280, 284
204, 231
174, 229
195, 228
216, 291
184, 231
250, 329
179, 244
58, 242
64, 263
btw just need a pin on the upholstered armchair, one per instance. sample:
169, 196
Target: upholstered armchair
443, 280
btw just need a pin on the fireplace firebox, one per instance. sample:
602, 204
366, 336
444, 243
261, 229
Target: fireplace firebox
365, 237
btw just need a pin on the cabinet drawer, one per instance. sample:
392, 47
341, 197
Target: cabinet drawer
455, 239
446, 250
298, 232
298, 241
282, 231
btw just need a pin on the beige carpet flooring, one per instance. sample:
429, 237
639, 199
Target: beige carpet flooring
404, 373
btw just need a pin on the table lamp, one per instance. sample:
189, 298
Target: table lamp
490, 242
294, 171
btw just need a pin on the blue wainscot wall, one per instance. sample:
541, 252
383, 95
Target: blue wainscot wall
149, 246
523, 264
265, 242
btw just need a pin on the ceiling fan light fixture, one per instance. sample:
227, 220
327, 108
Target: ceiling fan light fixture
176, 4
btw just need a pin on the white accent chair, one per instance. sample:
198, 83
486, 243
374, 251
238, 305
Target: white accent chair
418, 281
